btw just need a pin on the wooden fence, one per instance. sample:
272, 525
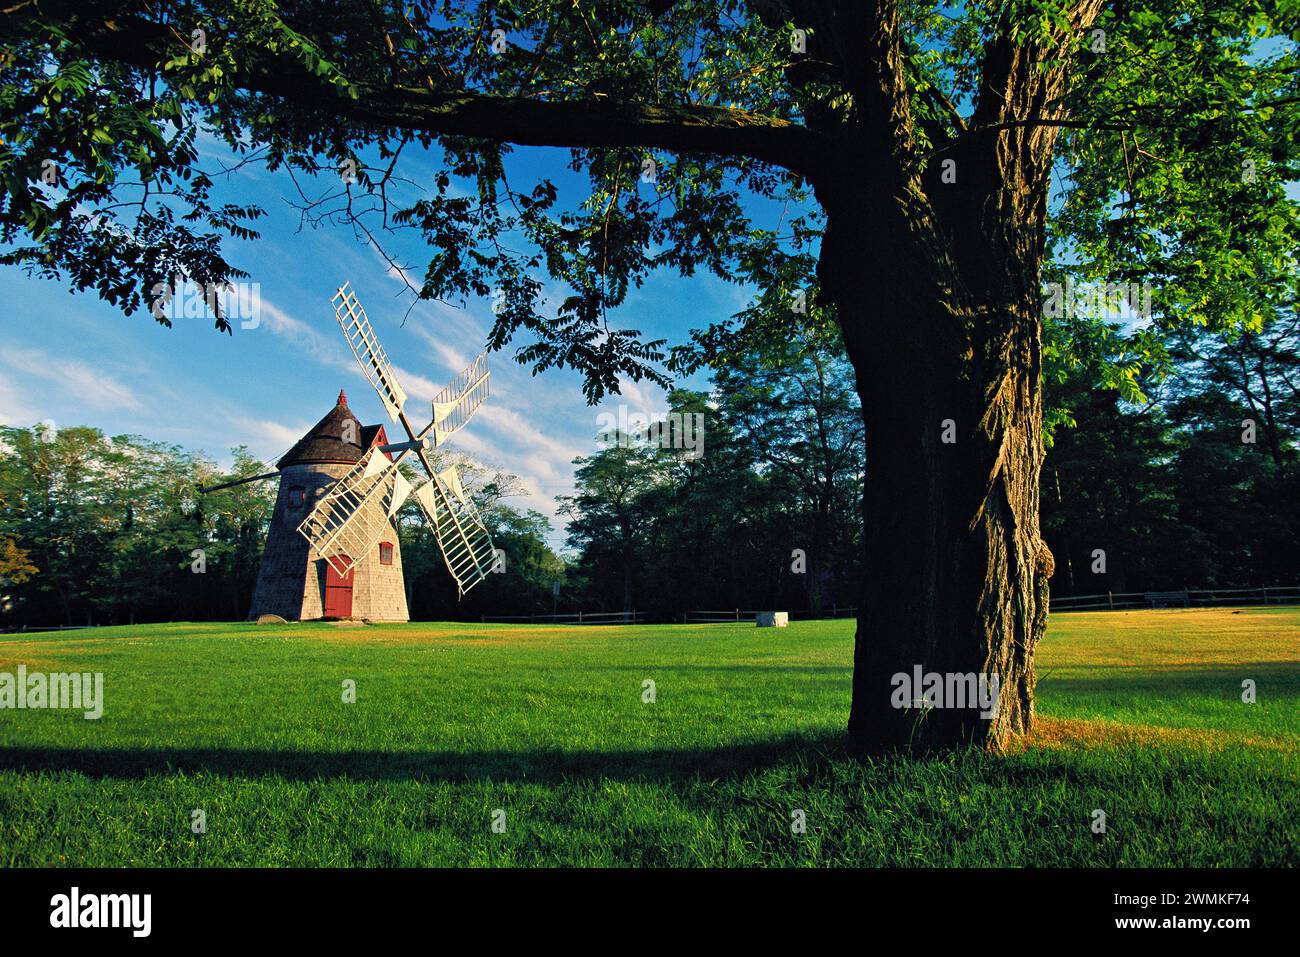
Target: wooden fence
1184, 598
743, 614
576, 618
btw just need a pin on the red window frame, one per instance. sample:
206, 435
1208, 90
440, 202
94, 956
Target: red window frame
385, 553
297, 496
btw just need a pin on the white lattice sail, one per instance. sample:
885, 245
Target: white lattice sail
455, 405
356, 511
370, 354
465, 541
354, 514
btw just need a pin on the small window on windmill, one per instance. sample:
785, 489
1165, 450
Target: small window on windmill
296, 496
385, 553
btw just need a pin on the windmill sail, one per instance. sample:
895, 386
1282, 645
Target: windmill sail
356, 511
354, 514
370, 354
455, 405
465, 541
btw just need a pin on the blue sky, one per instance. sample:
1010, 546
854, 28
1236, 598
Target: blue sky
73, 360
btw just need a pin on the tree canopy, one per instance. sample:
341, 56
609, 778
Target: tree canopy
688, 119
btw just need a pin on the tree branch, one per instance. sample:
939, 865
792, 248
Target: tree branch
598, 122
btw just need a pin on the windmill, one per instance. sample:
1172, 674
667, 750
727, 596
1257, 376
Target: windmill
350, 518
332, 548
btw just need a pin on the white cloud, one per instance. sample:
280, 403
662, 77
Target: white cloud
639, 398
266, 437
419, 388
451, 357
13, 410
544, 453
455, 324
396, 271
533, 497
78, 381
326, 350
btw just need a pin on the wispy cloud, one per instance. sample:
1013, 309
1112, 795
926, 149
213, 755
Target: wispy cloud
450, 323
14, 410
394, 269
268, 438
327, 350
78, 381
418, 387
546, 457
640, 398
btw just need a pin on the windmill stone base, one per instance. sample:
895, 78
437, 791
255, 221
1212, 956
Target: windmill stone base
294, 581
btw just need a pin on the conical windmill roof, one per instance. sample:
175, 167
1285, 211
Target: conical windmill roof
325, 442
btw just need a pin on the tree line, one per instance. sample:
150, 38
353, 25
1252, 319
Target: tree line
98, 529
1186, 477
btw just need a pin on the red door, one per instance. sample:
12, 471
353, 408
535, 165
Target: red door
338, 592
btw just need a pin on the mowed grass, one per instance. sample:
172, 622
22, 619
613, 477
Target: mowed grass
1140, 716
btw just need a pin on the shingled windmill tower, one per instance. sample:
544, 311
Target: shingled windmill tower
295, 581
332, 549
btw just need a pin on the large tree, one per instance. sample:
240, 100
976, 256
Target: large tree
905, 151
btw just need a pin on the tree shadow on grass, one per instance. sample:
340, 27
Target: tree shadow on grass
540, 765
809, 753
1280, 678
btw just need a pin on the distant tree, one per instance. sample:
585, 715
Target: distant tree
56, 510
606, 513
111, 526
715, 530
230, 525
1258, 371
797, 407
1189, 484
1109, 499
15, 565
1234, 399
663, 529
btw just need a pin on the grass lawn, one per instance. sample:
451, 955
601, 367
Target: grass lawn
1140, 716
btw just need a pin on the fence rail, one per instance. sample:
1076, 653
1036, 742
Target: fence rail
748, 614
1105, 601
1183, 598
576, 618
18, 629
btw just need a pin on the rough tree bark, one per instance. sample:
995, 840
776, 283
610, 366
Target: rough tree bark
936, 278
956, 572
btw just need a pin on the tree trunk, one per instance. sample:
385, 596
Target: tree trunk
949, 374
627, 581
813, 578
1066, 544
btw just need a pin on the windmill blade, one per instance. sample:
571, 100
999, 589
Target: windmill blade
465, 541
370, 354
354, 514
455, 405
